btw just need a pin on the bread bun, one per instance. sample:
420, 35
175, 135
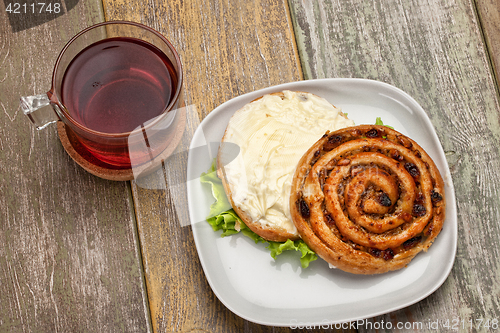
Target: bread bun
272, 132
367, 199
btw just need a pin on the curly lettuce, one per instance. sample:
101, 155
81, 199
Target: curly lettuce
223, 217
379, 121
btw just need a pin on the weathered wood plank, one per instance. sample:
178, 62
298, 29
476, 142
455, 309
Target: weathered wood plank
489, 16
434, 51
69, 259
227, 48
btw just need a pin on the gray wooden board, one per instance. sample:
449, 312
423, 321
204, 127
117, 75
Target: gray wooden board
69, 258
489, 16
434, 51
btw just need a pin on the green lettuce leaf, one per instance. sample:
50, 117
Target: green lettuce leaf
307, 256
227, 221
221, 203
223, 217
379, 121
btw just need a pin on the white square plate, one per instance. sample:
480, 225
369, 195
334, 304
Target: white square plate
280, 293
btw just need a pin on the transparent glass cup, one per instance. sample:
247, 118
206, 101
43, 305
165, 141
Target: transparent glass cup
137, 127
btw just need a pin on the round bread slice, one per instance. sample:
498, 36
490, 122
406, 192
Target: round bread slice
272, 133
367, 199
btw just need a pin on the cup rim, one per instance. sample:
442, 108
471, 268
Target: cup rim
149, 124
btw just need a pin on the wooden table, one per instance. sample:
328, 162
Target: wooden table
82, 254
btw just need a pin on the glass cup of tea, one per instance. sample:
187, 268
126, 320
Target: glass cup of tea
116, 88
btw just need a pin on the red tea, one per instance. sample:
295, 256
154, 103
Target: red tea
115, 86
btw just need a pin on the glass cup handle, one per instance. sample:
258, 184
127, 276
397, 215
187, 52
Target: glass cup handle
39, 110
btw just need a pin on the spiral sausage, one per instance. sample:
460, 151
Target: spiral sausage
367, 199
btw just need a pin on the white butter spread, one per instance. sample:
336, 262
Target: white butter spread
273, 134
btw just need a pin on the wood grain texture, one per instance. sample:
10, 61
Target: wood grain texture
69, 258
434, 51
228, 48
489, 17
